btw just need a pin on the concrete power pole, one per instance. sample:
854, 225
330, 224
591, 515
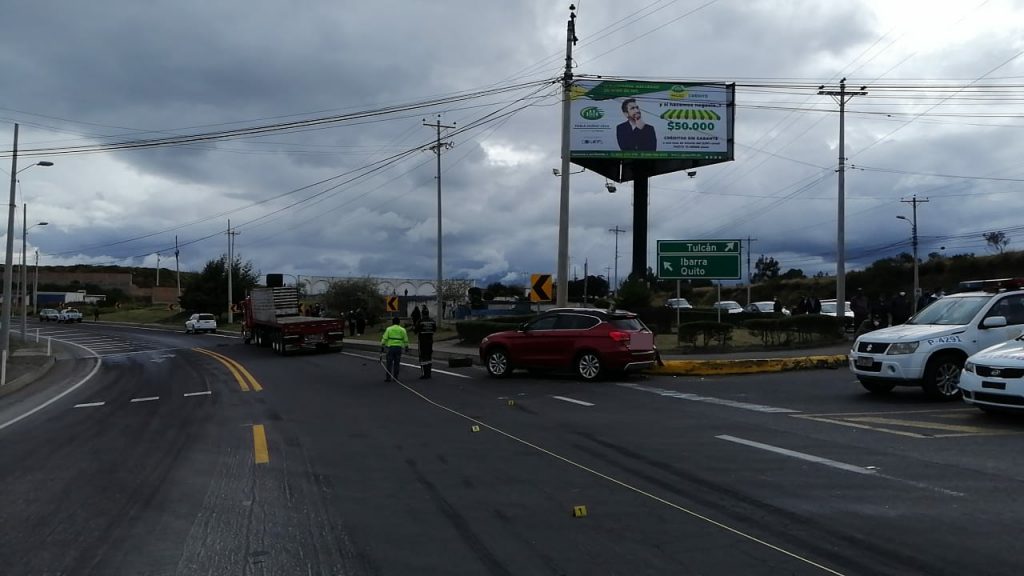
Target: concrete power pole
616, 231
230, 269
177, 267
914, 201
438, 147
562, 290
749, 277
158, 269
842, 96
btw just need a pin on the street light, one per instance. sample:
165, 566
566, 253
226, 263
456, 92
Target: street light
913, 233
24, 268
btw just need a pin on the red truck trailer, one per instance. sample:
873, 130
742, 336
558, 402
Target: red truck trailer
272, 319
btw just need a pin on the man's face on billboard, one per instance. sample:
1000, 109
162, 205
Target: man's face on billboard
633, 111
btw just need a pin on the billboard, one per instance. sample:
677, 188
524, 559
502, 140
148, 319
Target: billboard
634, 120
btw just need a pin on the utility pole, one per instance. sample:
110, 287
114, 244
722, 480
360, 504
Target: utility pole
749, 277
177, 268
438, 147
586, 262
5, 308
35, 288
914, 201
562, 291
158, 269
616, 231
230, 266
842, 96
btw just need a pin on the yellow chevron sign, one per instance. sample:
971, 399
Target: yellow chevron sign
541, 288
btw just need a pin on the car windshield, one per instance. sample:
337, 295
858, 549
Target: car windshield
951, 311
828, 307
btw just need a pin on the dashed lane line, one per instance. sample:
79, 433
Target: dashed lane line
573, 400
146, 399
90, 405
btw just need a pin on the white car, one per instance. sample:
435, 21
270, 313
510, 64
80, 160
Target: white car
678, 304
828, 308
930, 349
729, 306
201, 323
765, 307
69, 315
49, 315
993, 379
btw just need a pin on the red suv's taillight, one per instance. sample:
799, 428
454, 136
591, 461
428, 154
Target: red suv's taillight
619, 336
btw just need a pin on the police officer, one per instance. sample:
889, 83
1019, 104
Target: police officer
426, 330
393, 341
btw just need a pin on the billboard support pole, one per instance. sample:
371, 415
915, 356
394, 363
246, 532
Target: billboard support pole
562, 289
640, 198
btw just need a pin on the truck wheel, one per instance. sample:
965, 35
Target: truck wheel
876, 386
942, 376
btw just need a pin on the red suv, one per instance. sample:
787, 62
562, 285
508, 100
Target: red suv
586, 341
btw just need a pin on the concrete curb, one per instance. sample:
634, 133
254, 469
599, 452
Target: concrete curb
679, 367
750, 366
28, 377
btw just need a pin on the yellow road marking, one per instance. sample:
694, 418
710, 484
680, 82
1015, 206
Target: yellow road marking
259, 441
244, 378
861, 426
920, 424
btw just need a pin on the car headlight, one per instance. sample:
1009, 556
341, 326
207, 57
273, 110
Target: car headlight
969, 367
903, 348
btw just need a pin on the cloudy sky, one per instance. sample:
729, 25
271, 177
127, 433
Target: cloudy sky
352, 191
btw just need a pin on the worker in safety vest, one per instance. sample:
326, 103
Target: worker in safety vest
393, 341
426, 330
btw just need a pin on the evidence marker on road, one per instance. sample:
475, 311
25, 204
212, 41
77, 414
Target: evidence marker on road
474, 428
579, 511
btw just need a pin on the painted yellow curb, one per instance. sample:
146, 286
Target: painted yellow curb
751, 366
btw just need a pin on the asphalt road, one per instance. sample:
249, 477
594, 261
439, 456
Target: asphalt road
186, 454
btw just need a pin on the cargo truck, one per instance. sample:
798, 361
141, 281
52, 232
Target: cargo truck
272, 319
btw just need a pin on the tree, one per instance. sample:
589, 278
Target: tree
633, 295
997, 241
597, 286
345, 295
205, 292
793, 274
766, 269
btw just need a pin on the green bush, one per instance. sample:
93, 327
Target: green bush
807, 327
772, 331
718, 332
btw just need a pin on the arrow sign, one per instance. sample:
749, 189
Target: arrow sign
699, 247
668, 266
540, 288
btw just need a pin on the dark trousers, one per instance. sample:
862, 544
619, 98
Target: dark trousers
426, 354
394, 361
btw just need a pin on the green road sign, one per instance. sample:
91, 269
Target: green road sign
699, 247
699, 266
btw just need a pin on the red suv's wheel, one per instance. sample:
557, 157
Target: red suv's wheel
497, 363
588, 366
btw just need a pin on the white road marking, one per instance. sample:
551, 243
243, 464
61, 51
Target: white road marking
573, 400
799, 455
869, 470
95, 369
708, 399
207, 393
146, 399
90, 405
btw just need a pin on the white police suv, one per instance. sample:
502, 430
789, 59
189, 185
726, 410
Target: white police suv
931, 348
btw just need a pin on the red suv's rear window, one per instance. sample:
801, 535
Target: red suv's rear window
627, 323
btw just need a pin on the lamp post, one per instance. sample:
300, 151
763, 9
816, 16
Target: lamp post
913, 234
35, 288
24, 268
